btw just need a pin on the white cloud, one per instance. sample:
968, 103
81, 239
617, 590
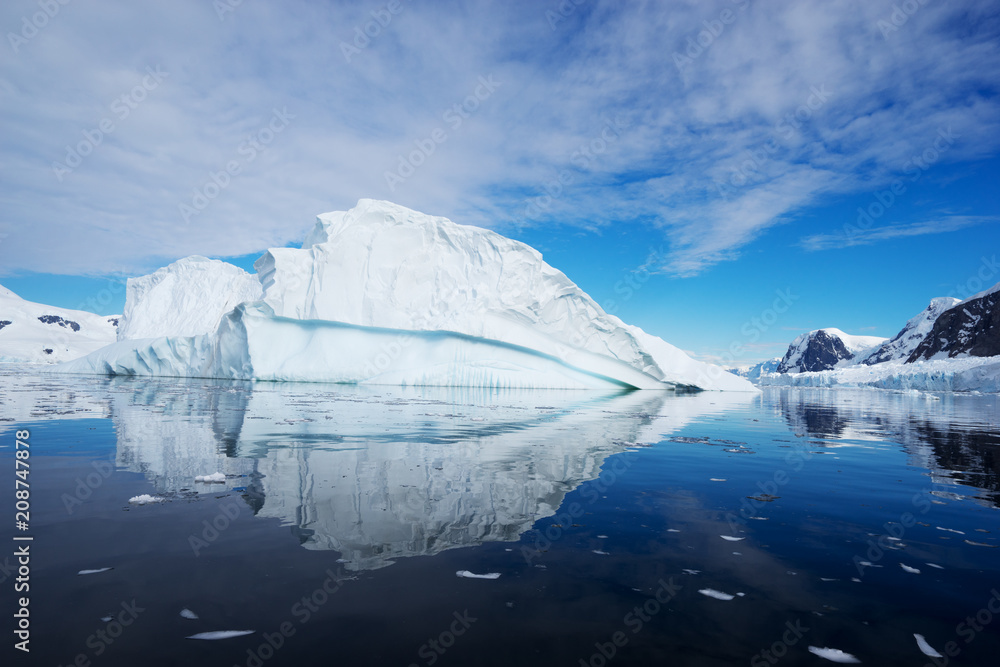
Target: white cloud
686, 131
857, 236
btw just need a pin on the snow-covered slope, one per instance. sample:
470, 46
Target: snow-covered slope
900, 346
186, 298
970, 374
824, 349
754, 372
36, 333
385, 295
970, 328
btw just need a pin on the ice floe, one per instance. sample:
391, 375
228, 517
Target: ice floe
834, 655
97, 571
730, 538
221, 634
907, 568
187, 613
470, 575
145, 499
718, 595
926, 648
214, 478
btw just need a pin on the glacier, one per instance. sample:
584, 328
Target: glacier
382, 294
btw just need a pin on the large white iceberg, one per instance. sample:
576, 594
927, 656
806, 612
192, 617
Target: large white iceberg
382, 294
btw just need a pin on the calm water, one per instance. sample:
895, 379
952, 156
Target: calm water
346, 513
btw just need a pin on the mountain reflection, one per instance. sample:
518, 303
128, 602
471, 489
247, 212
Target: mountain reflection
955, 437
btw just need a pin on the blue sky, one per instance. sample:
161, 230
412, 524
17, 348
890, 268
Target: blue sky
686, 163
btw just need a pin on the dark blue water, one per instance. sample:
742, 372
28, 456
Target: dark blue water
346, 513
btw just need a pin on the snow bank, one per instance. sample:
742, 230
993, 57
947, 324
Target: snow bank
36, 333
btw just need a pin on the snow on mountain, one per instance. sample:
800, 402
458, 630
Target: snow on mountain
753, 372
36, 333
902, 345
382, 294
970, 328
969, 374
186, 298
824, 349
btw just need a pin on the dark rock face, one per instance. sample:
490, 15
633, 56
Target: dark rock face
972, 328
114, 322
55, 319
4, 323
822, 352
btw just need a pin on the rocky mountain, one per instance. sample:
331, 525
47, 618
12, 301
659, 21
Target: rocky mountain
753, 372
902, 345
970, 328
824, 349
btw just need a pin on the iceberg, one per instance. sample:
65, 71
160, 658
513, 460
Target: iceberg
382, 294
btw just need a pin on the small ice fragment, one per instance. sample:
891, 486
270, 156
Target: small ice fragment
926, 648
602, 537
855, 580
469, 575
934, 565
907, 568
834, 655
718, 595
951, 530
894, 539
187, 613
687, 571
730, 538
716, 479
214, 478
980, 544
221, 634
868, 564
106, 619
826, 579
737, 553
740, 594
145, 499
97, 571
600, 553
672, 530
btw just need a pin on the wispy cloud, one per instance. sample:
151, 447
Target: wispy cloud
687, 127
859, 237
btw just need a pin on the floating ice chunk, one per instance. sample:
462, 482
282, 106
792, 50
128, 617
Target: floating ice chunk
718, 595
980, 544
951, 530
603, 537
145, 499
934, 565
214, 478
834, 655
97, 571
868, 564
826, 579
469, 575
687, 571
187, 613
672, 530
907, 568
730, 538
855, 580
716, 479
600, 553
926, 648
106, 619
221, 634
